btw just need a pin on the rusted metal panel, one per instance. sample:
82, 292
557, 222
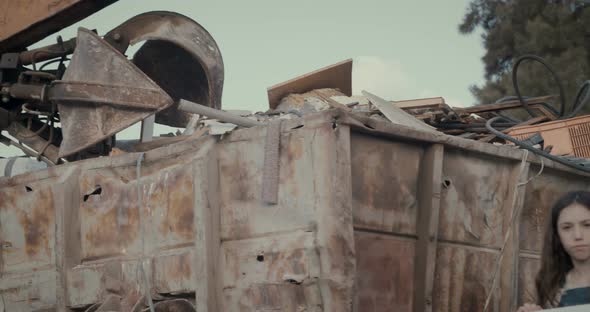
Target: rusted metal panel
27, 231
473, 198
25, 22
241, 165
385, 184
84, 285
321, 206
110, 213
528, 268
271, 273
29, 291
384, 273
109, 216
174, 274
461, 282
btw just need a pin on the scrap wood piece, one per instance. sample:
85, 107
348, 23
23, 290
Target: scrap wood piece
536, 103
397, 115
434, 102
337, 76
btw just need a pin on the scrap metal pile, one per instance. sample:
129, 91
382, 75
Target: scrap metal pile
548, 132
67, 101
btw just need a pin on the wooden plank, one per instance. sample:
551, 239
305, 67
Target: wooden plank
337, 76
500, 106
430, 181
434, 102
397, 115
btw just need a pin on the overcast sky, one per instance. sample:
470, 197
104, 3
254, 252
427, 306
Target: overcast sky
401, 49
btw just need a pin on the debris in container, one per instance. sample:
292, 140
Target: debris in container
492, 123
337, 76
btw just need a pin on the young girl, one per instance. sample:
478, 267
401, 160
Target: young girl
564, 277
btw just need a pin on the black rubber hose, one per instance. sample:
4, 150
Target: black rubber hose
579, 101
489, 126
557, 80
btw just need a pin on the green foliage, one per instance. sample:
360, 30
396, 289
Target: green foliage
558, 31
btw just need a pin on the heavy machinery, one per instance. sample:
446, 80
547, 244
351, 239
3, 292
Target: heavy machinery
68, 100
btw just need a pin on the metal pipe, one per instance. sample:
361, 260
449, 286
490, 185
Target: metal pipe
195, 108
27, 91
47, 52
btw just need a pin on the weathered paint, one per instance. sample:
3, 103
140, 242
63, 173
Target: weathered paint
25, 22
343, 236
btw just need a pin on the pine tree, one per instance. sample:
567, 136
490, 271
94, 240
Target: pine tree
557, 31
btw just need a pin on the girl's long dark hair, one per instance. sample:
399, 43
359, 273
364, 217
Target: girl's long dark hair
555, 262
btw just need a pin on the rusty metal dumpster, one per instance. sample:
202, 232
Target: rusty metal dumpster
369, 216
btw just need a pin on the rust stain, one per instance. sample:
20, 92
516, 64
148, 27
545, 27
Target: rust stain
180, 198
273, 297
8, 199
385, 273
105, 233
526, 280
241, 176
179, 268
38, 222
289, 261
172, 195
292, 151
460, 283
536, 212
384, 184
474, 287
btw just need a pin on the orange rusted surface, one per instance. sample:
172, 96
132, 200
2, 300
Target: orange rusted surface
25, 22
344, 235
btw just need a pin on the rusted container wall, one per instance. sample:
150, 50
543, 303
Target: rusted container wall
448, 232
370, 217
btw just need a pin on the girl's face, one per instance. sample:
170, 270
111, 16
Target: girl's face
573, 227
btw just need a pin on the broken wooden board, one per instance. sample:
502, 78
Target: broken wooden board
435, 102
396, 114
337, 76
